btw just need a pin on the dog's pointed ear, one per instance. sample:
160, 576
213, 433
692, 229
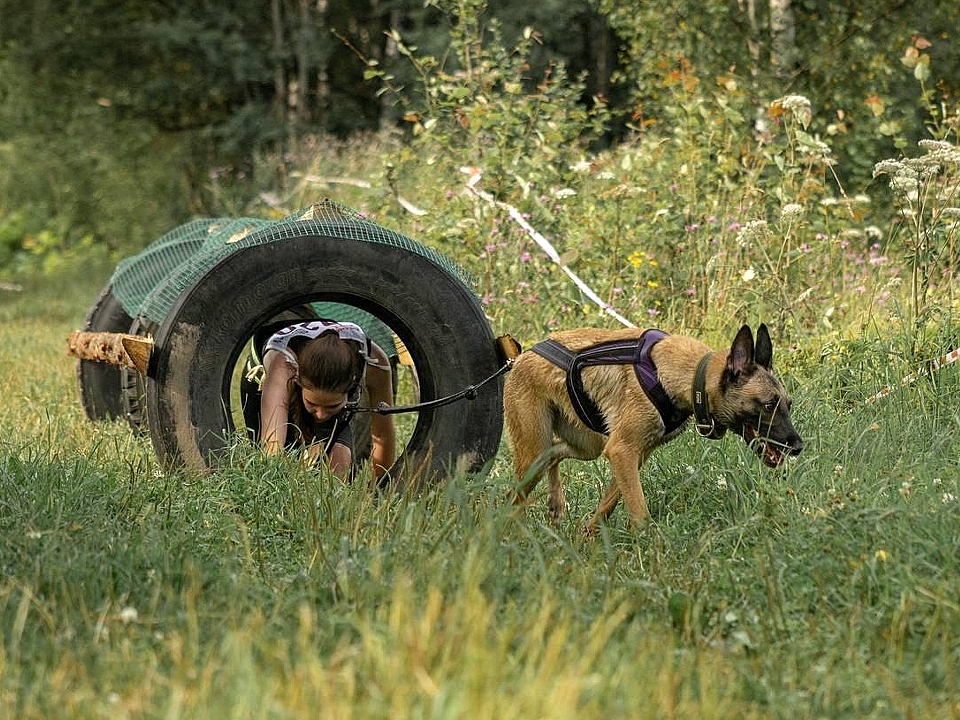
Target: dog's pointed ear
763, 355
741, 352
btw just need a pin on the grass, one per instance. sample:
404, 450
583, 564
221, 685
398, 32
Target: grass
828, 589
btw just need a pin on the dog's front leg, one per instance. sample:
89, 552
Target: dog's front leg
625, 464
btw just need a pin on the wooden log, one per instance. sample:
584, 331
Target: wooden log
115, 348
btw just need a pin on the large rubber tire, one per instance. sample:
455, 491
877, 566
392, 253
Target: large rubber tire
438, 319
98, 383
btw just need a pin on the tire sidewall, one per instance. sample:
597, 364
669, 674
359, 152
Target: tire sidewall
438, 319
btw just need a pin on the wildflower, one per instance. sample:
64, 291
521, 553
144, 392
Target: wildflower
128, 615
734, 226
791, 211
721, 482
34, 534
753, 230
564, 193
905, 488
797, 105
937, 482
941, 150
691, 227
882, 555
524, 257
947, 498
748, 274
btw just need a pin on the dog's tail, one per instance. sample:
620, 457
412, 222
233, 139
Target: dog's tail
550, 456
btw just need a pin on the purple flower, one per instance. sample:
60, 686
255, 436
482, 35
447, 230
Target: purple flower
734, 226
524, 257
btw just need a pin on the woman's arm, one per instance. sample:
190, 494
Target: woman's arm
382, 431
274, 402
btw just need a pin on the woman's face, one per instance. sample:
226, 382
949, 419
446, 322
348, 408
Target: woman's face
322, 404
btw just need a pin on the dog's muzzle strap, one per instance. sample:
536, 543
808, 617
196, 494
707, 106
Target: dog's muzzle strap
707, 424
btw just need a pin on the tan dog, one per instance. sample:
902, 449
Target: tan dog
549, 422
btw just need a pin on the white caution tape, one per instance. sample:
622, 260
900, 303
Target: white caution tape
943, 360
544, 244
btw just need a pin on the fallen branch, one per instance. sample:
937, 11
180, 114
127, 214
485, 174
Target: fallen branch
115, 348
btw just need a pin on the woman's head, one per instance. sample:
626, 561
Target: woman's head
329, 369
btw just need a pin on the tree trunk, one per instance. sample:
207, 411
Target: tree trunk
783, 39
279, 78
301, 97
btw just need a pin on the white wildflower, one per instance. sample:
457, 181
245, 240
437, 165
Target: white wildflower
941, 151
790, 211
564, 193
888, 167
748, 274
873, 232
753, 230
128, 615
947, 498
815, 147
828, 201
905, 488
798, 105
721, 482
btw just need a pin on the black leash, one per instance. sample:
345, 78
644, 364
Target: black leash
468, 393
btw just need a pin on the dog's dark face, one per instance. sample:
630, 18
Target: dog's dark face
754, 404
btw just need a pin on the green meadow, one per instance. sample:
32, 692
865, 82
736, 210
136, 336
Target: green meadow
827, 588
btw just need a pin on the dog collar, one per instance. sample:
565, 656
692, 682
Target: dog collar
707, 424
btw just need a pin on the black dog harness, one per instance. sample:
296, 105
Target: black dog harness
634, 352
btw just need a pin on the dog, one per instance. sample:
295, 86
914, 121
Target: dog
629, 391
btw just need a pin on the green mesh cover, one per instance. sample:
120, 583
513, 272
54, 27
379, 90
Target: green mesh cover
148, 284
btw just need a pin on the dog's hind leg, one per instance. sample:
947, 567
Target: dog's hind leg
548, 460
607, 504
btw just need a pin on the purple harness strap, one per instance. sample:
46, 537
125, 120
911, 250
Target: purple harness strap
634, 352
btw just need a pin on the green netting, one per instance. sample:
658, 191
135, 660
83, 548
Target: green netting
149, 284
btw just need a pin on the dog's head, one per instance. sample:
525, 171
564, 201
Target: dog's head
753, 402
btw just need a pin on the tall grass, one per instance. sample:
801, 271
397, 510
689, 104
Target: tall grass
826, 589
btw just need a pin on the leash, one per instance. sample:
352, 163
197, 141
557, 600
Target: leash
469, 393
509, 349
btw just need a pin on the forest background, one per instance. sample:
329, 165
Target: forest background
698, 163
